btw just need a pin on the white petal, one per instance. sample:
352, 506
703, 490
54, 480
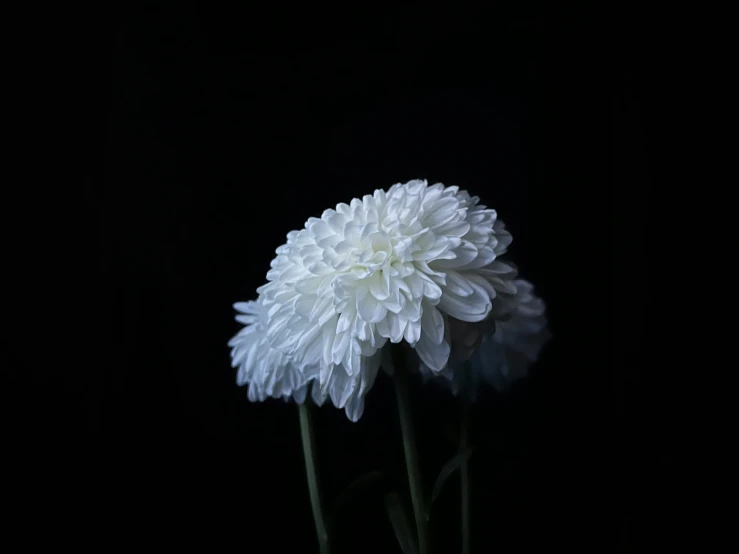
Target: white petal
309, 285
439, 250
352, 360
466, 253
412, 332
370, 368
346, 320
244, 307
458, 284
341, 344
453, 229
316, 394
432, 323
474, 307
485, 256
435, 356
341, 386
431, 290
380, 285
355, 408
327, 339
371, 310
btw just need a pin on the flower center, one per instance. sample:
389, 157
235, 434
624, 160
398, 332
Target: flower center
376, 252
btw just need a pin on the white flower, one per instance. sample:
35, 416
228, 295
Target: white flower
269, 373
507, 346
517, 341
266, 371
390, 267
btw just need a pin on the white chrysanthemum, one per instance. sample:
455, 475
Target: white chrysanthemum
269, 373
266, 371
507, 346
390, 267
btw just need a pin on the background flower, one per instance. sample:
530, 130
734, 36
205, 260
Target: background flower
390, 267
498, 351
269, 373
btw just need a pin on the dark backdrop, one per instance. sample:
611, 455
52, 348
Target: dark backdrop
224, 129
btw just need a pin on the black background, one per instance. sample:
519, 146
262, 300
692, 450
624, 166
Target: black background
221, 129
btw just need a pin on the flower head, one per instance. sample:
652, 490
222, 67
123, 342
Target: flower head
266, 371
269, 373
393, 266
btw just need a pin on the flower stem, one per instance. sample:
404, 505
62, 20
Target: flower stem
464, 472
400, 376
307, 436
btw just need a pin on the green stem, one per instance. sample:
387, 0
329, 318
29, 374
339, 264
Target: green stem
464, 471
400, 376
307, 436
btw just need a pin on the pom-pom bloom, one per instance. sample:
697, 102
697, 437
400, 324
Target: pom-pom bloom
396, 265
267, 371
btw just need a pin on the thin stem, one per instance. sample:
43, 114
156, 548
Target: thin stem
400, 376
464, 472
307, 436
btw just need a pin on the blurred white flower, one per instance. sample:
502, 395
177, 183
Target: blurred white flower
393, 266
501, 350
269, 373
